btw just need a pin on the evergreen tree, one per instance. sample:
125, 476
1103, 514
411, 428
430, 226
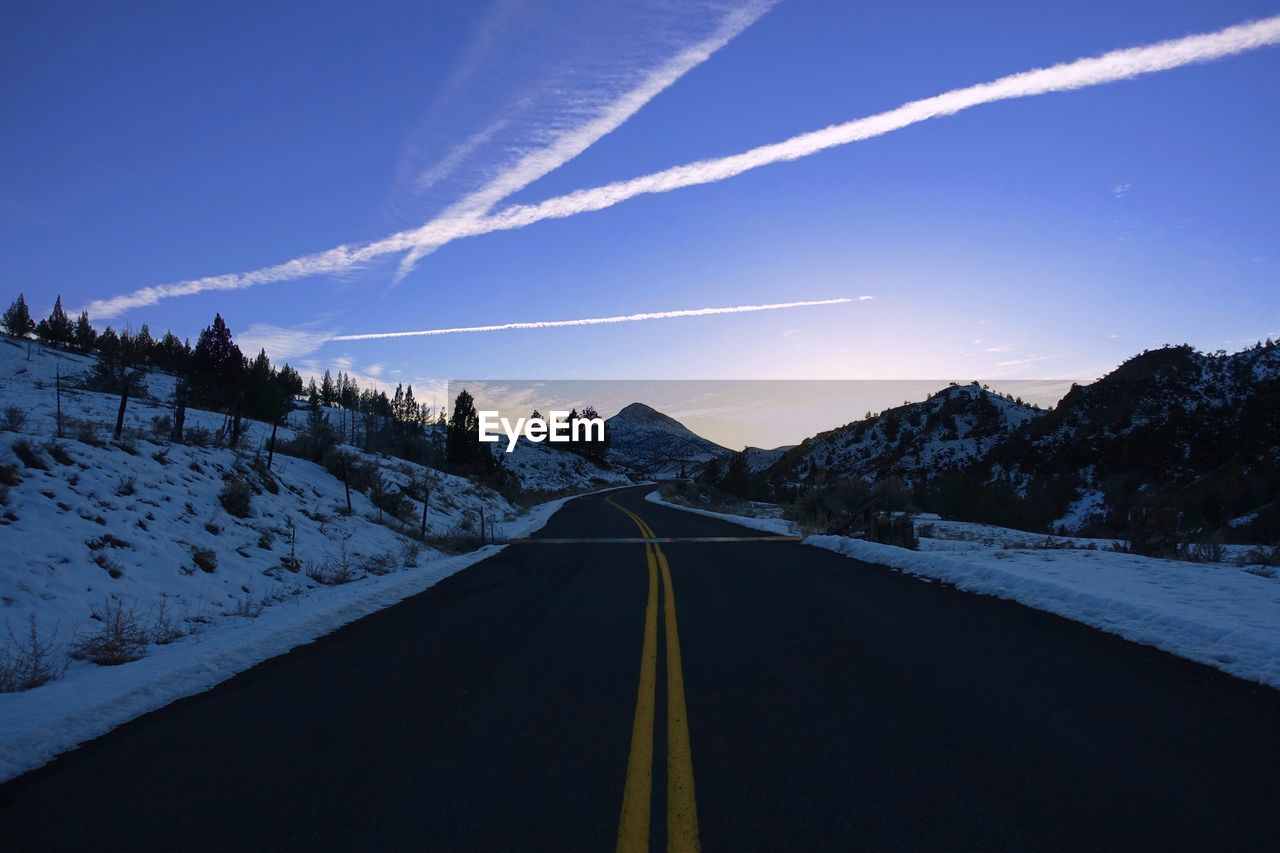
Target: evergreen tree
466, 453
108, 343
328, 390
57, 328
170, 353
85, 335
17, 320
144, 346
216, 365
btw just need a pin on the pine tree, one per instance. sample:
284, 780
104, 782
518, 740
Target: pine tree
17, 320
85, 335
57, 328
328, 390
170, 353
144, 346
216, 365
466, 453
108, 343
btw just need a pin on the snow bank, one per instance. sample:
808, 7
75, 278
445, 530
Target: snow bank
1214, 614
90, 701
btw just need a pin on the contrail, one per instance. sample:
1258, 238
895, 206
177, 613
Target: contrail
597, 321
569, 145
1107, 68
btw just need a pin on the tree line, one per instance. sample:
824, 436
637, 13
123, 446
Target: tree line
215, 375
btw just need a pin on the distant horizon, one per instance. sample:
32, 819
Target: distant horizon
737, 413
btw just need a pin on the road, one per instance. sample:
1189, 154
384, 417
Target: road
591, 691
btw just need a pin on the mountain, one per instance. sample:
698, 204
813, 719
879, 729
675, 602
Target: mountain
914, 442
1195, 433
758, 459
646, 442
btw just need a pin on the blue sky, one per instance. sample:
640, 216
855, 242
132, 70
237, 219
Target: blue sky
1052, 236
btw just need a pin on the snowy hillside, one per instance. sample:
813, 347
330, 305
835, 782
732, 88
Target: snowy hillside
541, 468
914, 441
651, 444
758, 459
1196, 433
146, 551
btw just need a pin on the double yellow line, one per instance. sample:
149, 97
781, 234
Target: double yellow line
682, 811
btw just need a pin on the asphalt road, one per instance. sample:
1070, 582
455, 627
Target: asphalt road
744, 695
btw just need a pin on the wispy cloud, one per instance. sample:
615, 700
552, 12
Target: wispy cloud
1082, 73
593, 321
1120, 190
281, 343
571, 143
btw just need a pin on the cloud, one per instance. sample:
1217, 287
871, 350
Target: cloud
592, 321
280, 343
570, 144
1082, 73
1021, 362
1120, 190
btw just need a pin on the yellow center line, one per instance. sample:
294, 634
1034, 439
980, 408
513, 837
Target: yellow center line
682, 811
633, 828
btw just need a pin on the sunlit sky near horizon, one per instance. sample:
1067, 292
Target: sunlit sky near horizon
1042, 237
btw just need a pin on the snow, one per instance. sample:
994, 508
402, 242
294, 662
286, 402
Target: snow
1216, 614
758, 459
90, 701
541, 468
656, 446
124, 523
916, 441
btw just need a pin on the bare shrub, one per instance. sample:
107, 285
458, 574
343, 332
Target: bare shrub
120, 638
86, 432
165, 629
337, 567
110, 566
379, 564
247, 606
161, 427
389, 499
236, 496
1263, 555
206, 559
126, 485
1208, 549
198, 436
28, 454
106, 540
457, 541
28, 660
410, 551
14, 418
9, 475
58, 451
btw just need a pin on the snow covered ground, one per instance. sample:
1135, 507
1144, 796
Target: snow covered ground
1220, 614
37, 725
91, 527
540, 468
